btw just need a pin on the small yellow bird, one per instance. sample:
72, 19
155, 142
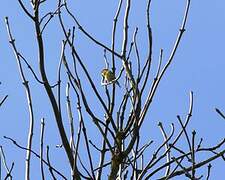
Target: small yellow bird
109, 76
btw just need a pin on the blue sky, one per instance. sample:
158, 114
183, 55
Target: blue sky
198, 66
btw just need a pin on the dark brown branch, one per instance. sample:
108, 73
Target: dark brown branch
25, 9
130, 50
220, 113
193, 155
179, 162
183, 168
3, 100
57, 114
185, 132
180, 151
51, 15
29, 67
214, 147
85, 169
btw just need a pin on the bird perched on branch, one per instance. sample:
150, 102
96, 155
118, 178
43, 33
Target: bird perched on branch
109, 76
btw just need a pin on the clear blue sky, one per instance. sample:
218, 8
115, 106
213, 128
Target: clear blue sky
197, 66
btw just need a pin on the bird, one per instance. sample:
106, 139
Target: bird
109, 76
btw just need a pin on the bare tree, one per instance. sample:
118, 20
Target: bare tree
124, 152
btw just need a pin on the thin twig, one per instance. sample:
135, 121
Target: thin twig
185, 132
220, 113
160, 63
86, 140
59, 76
88, 35
155, 85
179, 162
150, 164
180, 151
193, 155
153, 160
166, 147
197, 165
102, 154
208, 172
106, 60
75, 55
31, 69
9, 173
148, 61
85, 168
4, 163
214, 147
94, 118
114, 28
3, 100
36, 154
51, 15
76, 147
70, 116
29, 99
41, 148
125, 28
48, 159
183, 168
25, 9
177, 173
124, 50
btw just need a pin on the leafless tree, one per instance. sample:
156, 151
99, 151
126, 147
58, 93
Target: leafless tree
123, 154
